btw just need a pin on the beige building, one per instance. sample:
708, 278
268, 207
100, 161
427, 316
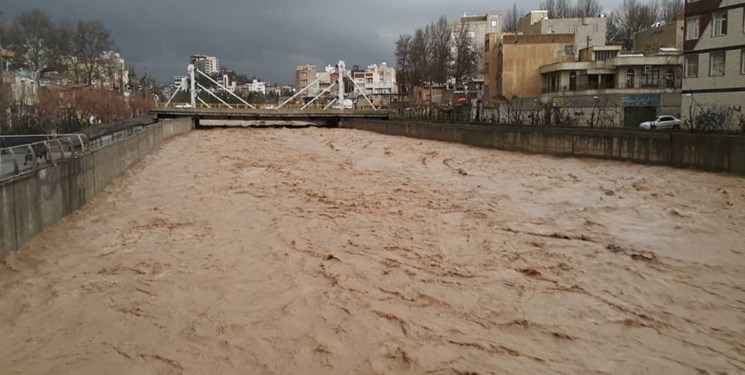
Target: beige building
305, 75
714, 63
668, 35
587, 31
378, 82
514, 62
629, 88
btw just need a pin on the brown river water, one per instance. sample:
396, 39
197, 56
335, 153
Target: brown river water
328, 251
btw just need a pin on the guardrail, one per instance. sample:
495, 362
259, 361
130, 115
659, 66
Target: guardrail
267, 107
24, 153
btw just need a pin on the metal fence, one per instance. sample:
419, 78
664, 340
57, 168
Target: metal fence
22, 154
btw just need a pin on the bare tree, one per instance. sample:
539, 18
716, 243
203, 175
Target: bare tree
439, 49
587, 8
31, 39
670, 10
558, 8
403, 62
512, 19
90, 42
419, 55
465, 56
62, 45
629, 19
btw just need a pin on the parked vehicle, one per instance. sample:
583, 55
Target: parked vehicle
660, 123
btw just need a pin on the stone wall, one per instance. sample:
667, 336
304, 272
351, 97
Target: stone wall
708, 152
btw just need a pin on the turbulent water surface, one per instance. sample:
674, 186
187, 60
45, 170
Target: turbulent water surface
338, 251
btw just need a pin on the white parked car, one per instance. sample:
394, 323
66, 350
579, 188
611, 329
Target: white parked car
661, 122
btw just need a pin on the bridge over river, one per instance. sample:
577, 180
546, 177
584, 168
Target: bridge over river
339, 251
330, 118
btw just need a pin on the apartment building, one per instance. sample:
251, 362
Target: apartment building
207, 64
305, 75
714, 64
477, 28
256, 86
378, 82
587, 31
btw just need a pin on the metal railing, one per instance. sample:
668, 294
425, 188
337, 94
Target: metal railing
21, 154
269, 106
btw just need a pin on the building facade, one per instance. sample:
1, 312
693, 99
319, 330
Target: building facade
714, 63
477, 29
669, 35
378, 82
606, 88
304, 76
587, 31
207, 64
514, 62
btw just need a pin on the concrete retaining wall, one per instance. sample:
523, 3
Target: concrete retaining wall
34, 202
709, 152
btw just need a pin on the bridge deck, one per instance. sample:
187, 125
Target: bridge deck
265, 114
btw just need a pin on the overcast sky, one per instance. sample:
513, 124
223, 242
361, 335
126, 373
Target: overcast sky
267, 38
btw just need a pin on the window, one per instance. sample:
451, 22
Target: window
691, 65
716, 67
573, 81
670, 79
604, 55
651, 76
719, 24
494, 23
572, 29
569, 50
595, 28
692, 28
630, 78
742, 61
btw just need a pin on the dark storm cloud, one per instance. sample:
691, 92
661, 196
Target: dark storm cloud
267, 39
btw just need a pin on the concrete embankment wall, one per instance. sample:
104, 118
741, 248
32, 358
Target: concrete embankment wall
708, 152
36, 201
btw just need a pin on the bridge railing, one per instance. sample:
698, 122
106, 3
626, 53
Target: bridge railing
23, 154
269, 106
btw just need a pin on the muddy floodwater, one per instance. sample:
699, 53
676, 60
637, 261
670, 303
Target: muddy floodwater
329, 251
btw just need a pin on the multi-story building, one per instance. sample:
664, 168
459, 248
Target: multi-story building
378, 82
587, 31
714, 64
660, 35
477, 28
305, 75
256, 86
207, 64
514, 61
608, 88
114, 73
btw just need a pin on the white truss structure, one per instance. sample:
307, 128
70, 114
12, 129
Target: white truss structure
190, 84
